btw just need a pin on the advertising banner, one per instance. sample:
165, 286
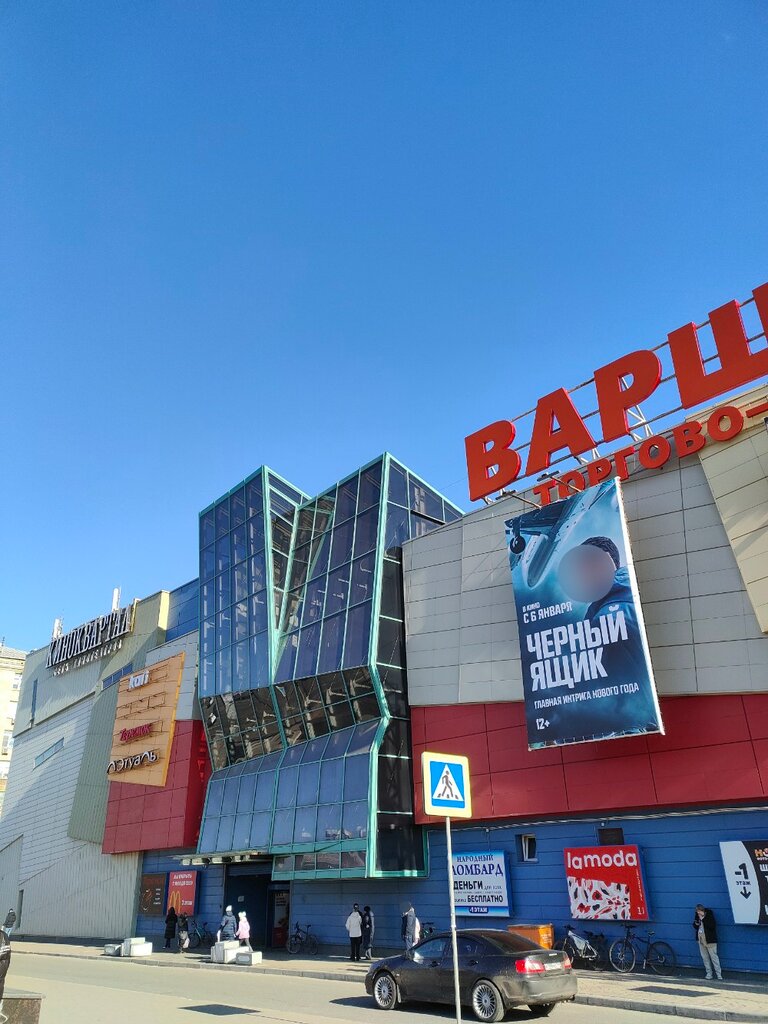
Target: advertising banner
480, 887
152, 895
746, 872
587, 671
605, 883
182, 889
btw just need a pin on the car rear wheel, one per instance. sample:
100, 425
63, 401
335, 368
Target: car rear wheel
542, 1010
486, 1002
385, 991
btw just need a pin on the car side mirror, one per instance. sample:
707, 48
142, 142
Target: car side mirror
409, 954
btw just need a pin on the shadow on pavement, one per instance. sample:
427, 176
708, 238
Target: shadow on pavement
432, 1009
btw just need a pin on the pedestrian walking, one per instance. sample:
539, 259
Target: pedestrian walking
354, 927
244, 930
171, 921
228, 926
368, 928
183, 926
411, 927
10, 921
705, 926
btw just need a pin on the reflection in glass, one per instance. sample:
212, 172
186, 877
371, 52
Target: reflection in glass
346, 500
332, 644
366, 532
338, 590
328, 823
341, 550
398, 488
370, 487
354, 821
358, 633
253, 496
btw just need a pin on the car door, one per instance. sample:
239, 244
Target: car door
470, 952
420, 977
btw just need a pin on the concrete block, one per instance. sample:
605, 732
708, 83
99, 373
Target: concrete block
224, 952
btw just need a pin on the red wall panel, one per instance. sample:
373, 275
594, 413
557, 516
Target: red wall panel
715, 751
167, 817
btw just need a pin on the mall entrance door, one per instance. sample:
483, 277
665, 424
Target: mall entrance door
249, 887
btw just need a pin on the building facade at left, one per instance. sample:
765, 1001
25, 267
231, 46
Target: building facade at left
11, 671
110, 768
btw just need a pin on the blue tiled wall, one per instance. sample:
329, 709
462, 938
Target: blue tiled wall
682, 868
210, 893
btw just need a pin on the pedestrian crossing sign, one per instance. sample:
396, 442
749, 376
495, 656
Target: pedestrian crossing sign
446, 785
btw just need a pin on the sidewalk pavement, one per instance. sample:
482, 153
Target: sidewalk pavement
741, 998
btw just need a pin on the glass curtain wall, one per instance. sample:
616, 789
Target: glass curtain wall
302, 677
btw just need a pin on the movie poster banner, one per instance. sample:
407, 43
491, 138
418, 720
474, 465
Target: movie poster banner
605, 883
746, 872
587, 671
480, 887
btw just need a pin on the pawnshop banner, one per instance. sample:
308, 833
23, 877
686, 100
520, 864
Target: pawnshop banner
587, 671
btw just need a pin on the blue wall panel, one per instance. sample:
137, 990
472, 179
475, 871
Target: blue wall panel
682, 863
210, 893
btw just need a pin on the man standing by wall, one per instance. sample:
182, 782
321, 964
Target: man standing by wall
354, 927
706, 932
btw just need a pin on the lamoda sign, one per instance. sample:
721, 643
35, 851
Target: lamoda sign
94, 639
493, 462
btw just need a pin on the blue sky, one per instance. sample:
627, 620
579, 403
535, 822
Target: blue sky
303, 233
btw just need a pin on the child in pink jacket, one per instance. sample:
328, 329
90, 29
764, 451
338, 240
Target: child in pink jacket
243, 930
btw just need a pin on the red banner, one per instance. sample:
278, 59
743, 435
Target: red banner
182, 889
605, 883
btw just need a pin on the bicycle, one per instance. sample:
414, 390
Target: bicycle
588, 950
659, 957
301, 941
200, 936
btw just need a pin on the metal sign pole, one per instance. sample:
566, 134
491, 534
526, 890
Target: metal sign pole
456, 993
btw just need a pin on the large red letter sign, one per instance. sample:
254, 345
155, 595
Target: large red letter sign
545, 440
487, 448
614, 398
737, 364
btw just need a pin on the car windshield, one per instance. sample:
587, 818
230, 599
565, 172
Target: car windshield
510, 942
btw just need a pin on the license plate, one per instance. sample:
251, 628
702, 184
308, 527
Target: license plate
553, 967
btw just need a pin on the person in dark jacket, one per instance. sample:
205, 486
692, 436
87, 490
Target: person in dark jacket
10, 922
228, 926
368, 930
705, 926
170, 927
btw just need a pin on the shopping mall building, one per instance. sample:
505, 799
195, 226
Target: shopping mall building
254, 737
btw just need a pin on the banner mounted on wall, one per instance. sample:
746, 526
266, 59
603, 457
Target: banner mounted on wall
605, 883
746, 872
480, 887
587, 671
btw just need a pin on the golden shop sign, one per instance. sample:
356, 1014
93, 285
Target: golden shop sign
145, 719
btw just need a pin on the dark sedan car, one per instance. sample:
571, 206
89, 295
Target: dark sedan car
497, 971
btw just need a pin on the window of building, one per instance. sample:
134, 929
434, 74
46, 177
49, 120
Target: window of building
47, 754
16, 682
527, 849
610, 836
7, 742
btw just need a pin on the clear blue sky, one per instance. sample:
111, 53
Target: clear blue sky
235, 233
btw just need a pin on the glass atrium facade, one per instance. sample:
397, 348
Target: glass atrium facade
302, 675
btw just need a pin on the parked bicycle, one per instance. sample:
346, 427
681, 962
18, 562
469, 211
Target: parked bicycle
587, 950
200, 936
301, 941
659, 957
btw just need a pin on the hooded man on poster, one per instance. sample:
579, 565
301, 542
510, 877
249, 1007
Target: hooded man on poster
587, 671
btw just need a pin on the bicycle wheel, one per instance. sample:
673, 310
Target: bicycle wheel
570, 950
661, 958
294, 943
194, 939
622, 956
310, 944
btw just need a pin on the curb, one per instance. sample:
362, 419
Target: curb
671, 1009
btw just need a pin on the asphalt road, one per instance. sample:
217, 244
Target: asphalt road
113, 992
